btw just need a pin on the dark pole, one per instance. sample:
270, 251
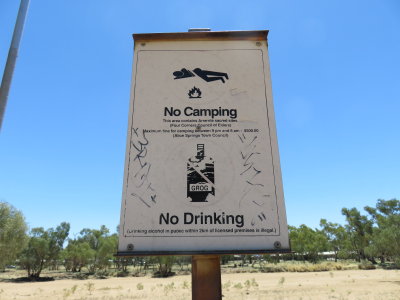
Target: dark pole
206, 277
12, 57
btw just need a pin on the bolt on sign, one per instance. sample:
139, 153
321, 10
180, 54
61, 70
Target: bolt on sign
202, 172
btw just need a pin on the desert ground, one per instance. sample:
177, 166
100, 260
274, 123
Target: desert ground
349, 284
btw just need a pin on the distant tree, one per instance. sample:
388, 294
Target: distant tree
93, 236
103, 244
307, 242
359, 229
57, 238
243, 258
33, 258
143, 262
183, 260
106, 251
165, 264
385, 242
77, 255
13, 236
151, 261
337, 236
122, 263
226, 258
43, 249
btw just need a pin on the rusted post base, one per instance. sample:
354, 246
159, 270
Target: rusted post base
206, 277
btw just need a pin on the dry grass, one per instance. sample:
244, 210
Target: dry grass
345, 285
295, 266
307, 267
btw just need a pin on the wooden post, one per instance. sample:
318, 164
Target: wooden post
206, 277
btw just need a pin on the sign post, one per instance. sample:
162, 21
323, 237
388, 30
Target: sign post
202, 171
206, 277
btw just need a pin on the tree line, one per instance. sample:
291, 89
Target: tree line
373, 236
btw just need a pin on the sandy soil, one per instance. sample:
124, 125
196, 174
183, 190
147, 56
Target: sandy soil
371, 284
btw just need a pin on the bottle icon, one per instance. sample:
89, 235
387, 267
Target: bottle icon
200, 176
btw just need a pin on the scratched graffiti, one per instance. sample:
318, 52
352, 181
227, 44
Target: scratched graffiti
141, 168
251, 175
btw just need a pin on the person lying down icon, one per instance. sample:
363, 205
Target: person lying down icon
204, 74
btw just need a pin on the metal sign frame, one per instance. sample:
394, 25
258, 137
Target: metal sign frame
201, 185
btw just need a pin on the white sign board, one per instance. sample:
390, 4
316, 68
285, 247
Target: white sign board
202, 171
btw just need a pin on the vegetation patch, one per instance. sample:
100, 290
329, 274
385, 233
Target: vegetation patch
32, 279
366, 241
366, 266
307, 267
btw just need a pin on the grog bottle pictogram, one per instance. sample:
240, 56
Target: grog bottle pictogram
200, 176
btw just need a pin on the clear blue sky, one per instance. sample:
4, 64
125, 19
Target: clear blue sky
336, 82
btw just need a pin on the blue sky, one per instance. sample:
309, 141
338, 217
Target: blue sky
336, 84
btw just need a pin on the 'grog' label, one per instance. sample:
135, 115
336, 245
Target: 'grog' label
203, 187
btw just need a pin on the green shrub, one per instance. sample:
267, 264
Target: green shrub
238, 286
140, 286
366, 266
